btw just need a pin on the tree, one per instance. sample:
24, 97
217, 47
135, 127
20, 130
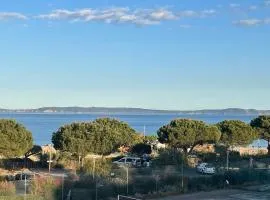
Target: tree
262, 124
102, 136
186, 134
150, 139
15, 139
36, 149
236, 133
73, 138
141, 149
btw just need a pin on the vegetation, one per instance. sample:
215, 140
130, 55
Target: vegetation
45, 187
262, 124
236, 133
186, 134
141, 149
15, 139
7, 188
102, 136
97, 167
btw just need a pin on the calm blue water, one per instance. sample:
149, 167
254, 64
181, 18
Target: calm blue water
43, 125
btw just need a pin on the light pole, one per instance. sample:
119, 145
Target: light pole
127, 179
25, 189
227, 164
63, 181
182, 172
94, 168
50, 157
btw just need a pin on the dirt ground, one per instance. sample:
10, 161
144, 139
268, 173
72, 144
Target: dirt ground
222, 195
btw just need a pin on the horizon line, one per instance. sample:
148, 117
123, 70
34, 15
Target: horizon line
141, 108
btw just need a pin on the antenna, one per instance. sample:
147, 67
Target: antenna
144, 131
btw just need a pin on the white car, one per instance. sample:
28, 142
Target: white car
128, 161
206, 168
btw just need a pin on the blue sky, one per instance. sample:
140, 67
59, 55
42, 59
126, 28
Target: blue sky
173, 54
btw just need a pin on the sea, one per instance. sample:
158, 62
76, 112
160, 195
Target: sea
42, 125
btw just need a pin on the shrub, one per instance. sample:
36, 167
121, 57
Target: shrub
102, 167
7, 189
168, 157
247, 176
45, 187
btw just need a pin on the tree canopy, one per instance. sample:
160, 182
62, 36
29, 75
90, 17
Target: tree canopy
186, 134
236, 133
16, 140
101, 136
262, 124
141, 148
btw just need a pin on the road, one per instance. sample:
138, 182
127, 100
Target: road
222, 195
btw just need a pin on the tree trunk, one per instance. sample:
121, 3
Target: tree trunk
191, 149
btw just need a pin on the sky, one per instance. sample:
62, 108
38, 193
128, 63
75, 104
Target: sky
173, 54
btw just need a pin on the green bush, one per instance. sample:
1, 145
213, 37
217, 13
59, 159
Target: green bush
208, 157
247, 176
168, 157
100, 167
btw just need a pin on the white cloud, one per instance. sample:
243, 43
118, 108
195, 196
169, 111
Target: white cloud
252, 22
12, 15
253, 7
234, 5
185, 26
267, 3
163, 14
267, 21
208, 12
123, 15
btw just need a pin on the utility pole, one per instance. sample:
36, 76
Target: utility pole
182, 172
50, 157
25, 189
227, 164
63, 181
144, 131
127, 180
94, 168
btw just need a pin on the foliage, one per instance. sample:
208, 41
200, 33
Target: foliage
262, 124
247, 176
101, 136
66, 160
36, 149
45, 187
168, 157
150, 139
141, 149
7, 188
15, 139
100, 167
236, 133
186, 134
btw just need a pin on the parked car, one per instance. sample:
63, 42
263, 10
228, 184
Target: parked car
128, 161
206, 168
23, 176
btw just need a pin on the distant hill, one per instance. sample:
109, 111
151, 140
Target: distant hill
228, 111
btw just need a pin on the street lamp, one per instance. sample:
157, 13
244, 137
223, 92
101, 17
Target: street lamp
227, 164
63, 181
127, 179
50, 157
